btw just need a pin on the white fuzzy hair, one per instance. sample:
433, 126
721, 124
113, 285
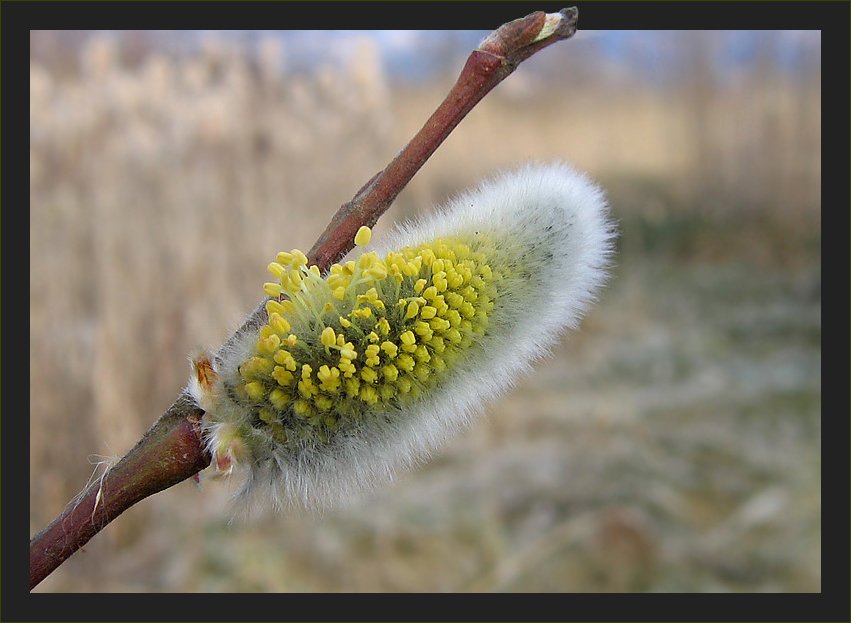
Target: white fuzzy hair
549, 226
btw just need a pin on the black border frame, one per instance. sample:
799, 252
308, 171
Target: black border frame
832, 604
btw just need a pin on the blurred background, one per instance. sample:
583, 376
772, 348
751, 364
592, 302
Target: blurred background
673, 444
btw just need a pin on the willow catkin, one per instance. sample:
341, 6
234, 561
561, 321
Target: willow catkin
366, 369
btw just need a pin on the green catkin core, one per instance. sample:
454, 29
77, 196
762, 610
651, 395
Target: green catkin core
371, 334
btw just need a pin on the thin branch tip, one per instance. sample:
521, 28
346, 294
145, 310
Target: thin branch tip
519, 39
567, 25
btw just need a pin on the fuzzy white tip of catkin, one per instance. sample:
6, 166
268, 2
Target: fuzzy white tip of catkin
540, 240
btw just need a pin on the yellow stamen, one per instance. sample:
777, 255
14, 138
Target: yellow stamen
363, 236
328, 337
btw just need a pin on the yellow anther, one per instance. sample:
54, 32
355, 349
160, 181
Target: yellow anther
282, 376
368, 374
348, 353
404, 384
345, 322
366, 260
363, 236
315, 270
408, 338
279, 399
486, 271
302, 408
405, 362
255, 390
299, 258
352, 387
372, 337
428, 312
422, 354
430, 293
295, 279
386, 391
272, 289
414, 266
266, 415
412, 311
324, 403
377, 272
467, 310
439, 281
368, 394
390, 348
370, 295
454, 279
279, 323
277, 270
325, 373
254, 367
439, 324
371, 354
291, 340
437, 266
419, 285
275, 307
307, 389
339, 293
285, 359
349, 267
454, 299
391, 372
336, 280
346, 367
327, 308
383, 326
363, 312
268, 345
329, 378
328, 337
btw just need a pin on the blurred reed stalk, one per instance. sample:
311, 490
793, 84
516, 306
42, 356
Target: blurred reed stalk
173, 450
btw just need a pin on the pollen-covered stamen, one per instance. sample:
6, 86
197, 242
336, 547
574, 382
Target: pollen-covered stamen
374, 331
362, 237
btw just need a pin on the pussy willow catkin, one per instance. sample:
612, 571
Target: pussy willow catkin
367, 368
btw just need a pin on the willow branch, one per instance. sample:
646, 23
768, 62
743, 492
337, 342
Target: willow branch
173, 449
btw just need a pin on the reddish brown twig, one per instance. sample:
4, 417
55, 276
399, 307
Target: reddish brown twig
173, 450
486, 67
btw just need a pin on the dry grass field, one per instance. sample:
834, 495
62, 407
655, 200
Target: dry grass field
672, 444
